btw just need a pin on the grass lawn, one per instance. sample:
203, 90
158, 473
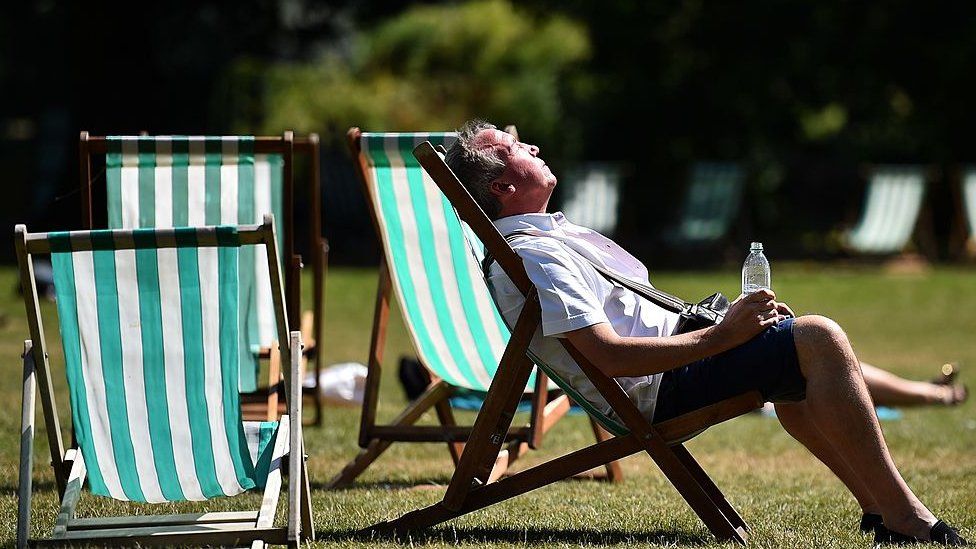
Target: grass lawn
909, 324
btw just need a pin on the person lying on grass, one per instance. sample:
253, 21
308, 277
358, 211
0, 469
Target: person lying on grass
805, 365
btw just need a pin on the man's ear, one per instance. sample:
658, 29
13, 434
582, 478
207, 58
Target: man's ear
501, 189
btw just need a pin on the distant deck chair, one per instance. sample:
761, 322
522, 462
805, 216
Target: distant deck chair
591, 196
966, 200
167, 181
456, 331
148, 322
892, 208
468, 490
711, 204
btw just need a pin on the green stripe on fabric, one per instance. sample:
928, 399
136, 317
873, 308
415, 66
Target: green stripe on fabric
266, 442
113, 182
213, 157
67, 300
147, 183
196, 400
154, 368
227, 266
249, 365
429, 253
277, 193
181, 177
110, 344
395, 242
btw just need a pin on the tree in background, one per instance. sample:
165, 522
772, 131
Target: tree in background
431, 68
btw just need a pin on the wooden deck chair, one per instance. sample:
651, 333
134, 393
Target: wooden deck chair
148, 321
468, 490
966, 215
891, 212
456, 331
591, 195
711, 204
167, 181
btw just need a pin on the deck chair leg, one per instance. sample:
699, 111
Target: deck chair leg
446, 416
688, 485
72, 493
25, 481
436, 392
614, 473
710, 488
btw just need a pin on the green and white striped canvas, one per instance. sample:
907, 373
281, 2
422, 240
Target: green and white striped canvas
180, 181
455, 328
151, 339
892, 206
712, 202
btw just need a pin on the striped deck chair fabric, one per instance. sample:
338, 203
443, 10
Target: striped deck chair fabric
969, 206
891, 210
592, 194
193, 181
151, 339
711, 203
455, 328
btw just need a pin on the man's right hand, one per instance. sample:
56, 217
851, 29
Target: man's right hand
747, 316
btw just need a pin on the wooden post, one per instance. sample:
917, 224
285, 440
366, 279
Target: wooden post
25, 480
84, 169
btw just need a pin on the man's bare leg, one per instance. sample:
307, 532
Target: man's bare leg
840, 406
887, 389
795, 418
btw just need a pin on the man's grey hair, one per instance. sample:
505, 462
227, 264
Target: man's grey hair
476, 168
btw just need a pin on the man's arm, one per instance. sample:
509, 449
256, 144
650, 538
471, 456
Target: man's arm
622, 356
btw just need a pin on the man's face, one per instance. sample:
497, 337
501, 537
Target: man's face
527, 179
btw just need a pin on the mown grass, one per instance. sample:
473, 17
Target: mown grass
907, 323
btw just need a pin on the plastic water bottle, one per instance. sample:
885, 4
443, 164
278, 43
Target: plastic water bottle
755, 270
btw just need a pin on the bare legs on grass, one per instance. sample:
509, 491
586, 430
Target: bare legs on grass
838, 424
887, 389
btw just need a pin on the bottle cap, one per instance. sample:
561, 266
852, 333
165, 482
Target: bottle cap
755, 246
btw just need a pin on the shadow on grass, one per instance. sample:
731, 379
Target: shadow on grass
36, 486
479, 535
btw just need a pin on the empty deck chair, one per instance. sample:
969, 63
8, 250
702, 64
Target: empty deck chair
149, 328
662, 442
891, 211
455, 329
711, 204
174, 181
591, 196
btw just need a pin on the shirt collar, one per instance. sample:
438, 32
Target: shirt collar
521, 222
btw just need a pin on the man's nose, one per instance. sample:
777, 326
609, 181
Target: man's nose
533, 150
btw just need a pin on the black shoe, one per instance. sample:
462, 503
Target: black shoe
868, 522
941, 534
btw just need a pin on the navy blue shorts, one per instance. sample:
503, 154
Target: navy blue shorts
766, 363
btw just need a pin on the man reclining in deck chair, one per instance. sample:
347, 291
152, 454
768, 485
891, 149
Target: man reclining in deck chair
805, 365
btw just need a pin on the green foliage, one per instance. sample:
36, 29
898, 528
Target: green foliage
431, 68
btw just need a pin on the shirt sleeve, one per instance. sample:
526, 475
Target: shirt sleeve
568, 290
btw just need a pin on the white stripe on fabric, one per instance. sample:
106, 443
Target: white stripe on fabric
210, 313
969, 200
130, 334
417, 273
163, 184
451, 292
228, 182
262, 277
196, 184
129, 191
179, 420
91, 366
486, 307
252, 434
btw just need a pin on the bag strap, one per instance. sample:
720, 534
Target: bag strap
655, 296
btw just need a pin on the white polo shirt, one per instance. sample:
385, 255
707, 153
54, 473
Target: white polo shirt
574, 295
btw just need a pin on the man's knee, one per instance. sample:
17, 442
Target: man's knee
819, 332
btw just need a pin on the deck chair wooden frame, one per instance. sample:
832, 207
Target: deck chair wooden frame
374, 438
265, 402
468, 490
70, 471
